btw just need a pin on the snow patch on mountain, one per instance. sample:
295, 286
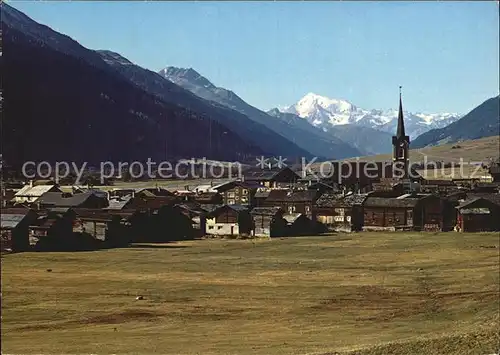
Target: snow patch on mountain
324, 113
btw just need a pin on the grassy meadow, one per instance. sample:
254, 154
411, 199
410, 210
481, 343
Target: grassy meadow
368, 293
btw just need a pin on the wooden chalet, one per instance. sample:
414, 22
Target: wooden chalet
268, 222
53, 229
229, 220
104, 226
14, 228
299, 201
478, 215
271, 178
237, 192
339, 212
407, 212
197, 214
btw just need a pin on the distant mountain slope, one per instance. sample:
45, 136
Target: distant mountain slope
365, 140
300, 132
63, 103
483, 121
255, 133
324, 113
369, 140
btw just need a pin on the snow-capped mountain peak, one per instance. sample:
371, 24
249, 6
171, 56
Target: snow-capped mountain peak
324, 112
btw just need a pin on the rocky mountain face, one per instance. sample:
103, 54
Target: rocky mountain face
300, 132
63, 102
324, 113
482, 121
169, 92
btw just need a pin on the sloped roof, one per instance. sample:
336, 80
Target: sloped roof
34, 191
58, 199
266, 211
328, 199
391, 202
237, 208
118, 203
10, 221
95, 214
493, 197
156, 202
230, 184
295, 196
476, 201
291, 218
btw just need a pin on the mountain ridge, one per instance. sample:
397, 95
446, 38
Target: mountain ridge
300, 132
482, 121
325, 112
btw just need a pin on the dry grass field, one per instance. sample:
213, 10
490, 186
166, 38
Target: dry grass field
369, 293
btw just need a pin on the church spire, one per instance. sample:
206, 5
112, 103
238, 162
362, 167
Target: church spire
400, 133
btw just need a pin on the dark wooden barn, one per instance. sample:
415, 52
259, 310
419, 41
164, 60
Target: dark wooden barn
14, 228
268, 222
478, 215
53, 230
102, 225
407, 212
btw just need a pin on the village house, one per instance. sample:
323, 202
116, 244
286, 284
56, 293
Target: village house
14, 228
229, 220
406, 212
208, 198
339, 212
32, 192
103, 226
237, 192
53, 229
64, 199
268, 222
478, 215
197, 214
299, 201
134, 223
271, 178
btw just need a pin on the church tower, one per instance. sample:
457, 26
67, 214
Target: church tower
401, 143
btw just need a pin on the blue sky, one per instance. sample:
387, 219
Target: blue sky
445, 54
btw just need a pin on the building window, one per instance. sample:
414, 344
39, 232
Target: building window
244, 192
308, 209
230, 194
210, 227
230, 202
219, 227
